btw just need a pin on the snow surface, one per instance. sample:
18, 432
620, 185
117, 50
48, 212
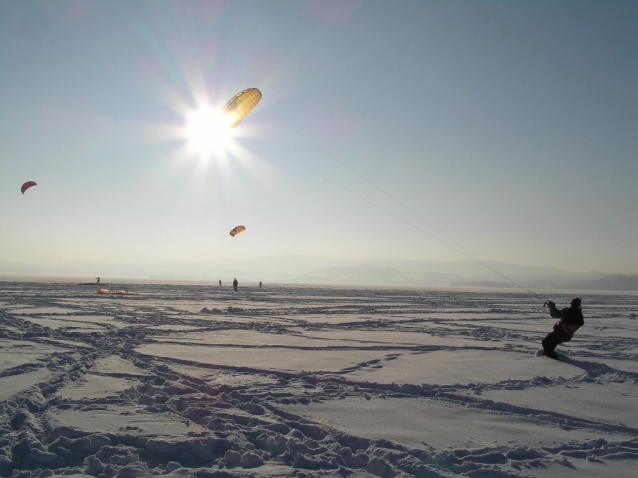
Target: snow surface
187, 380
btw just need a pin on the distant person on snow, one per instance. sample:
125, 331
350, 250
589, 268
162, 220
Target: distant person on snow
220, 282
235, 284
98, 280
571, 319
260, 284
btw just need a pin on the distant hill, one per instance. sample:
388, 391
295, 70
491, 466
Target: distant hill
615, 282
363, 274
374, 275
619, 282
293, 268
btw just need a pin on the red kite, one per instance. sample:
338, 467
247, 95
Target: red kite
27, 185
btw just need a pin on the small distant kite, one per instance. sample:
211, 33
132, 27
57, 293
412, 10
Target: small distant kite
27, 185
241, 104
237, 230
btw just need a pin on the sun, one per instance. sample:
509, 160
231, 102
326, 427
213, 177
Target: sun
208, 131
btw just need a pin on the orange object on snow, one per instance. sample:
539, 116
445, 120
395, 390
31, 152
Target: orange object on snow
114, 292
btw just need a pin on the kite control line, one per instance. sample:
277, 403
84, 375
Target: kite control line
446, 241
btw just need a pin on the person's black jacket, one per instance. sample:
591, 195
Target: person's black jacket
571, 318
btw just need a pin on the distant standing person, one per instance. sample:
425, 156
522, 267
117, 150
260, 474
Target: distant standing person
571, 319
220, 282
98, 280
235, 284
260, 284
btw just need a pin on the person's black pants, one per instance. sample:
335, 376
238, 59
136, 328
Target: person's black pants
557, 336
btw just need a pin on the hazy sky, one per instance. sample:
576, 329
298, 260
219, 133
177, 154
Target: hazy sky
386, 130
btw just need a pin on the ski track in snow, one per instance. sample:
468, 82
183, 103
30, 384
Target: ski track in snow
187, 380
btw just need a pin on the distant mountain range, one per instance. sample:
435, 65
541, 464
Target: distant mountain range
373, 275
320, 270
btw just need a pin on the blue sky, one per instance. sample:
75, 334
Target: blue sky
394, 130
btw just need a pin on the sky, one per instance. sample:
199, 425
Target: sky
421, 130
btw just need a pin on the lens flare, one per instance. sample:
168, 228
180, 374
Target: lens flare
208, 131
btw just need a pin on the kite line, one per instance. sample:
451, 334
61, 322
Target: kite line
446, 240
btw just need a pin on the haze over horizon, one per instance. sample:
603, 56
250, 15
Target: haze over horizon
296, 269
423, 130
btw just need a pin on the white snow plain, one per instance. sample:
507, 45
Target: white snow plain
202, 381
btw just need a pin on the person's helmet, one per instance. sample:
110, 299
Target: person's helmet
576, 302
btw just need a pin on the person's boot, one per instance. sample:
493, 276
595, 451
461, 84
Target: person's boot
551, 354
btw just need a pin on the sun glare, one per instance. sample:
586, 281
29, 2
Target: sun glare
208, 131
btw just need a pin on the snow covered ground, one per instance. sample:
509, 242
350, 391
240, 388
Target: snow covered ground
187, 380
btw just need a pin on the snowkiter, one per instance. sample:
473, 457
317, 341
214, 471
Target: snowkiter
571, 319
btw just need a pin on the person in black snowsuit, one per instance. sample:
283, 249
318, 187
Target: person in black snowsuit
571, 319
235, 284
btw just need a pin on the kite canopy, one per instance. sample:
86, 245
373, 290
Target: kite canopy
237, 230
27, 185
241, 104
